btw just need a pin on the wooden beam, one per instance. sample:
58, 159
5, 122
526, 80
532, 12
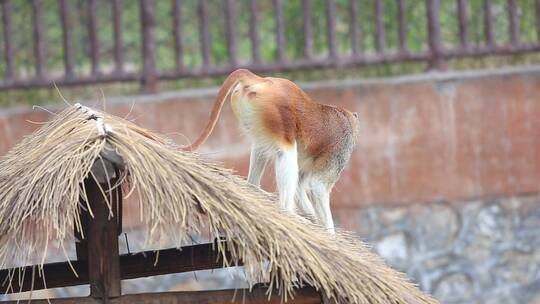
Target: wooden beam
103, 254
132, 266
306, 295
190, 258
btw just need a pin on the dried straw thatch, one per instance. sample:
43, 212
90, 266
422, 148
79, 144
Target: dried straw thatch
40, 187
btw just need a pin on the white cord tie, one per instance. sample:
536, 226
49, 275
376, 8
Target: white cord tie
102, 128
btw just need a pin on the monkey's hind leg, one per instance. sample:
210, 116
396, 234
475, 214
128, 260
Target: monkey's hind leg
304, 205
287, 176
257, 163
320, 195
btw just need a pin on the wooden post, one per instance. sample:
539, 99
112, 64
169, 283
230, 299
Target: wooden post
102, 241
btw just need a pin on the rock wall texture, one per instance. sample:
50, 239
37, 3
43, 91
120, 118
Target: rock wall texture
444, 181
479, 251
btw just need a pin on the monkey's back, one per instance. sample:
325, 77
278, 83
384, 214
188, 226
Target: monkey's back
275, 111
265, 108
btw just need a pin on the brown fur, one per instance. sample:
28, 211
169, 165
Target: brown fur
286, 113
311, 142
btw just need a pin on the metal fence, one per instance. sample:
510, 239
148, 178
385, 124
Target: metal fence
436, 52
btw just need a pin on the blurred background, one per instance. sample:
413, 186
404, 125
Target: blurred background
445, 177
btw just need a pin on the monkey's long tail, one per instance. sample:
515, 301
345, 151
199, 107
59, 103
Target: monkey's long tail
229, 83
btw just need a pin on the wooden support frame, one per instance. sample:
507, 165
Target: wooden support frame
132, 266
306, 295
102, 242
100, 265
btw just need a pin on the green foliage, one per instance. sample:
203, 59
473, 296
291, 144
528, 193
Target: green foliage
416, 22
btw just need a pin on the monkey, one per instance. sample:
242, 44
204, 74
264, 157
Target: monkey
309, 142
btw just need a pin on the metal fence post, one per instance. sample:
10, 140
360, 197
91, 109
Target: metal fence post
230, 18
118, 37
253, 32
149, 77
39, 38
7, 8
331, 29
379, 26
93, 35
204, 35
436, 62
177, 32
280, 31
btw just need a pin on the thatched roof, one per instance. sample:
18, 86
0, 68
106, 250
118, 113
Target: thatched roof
40, 187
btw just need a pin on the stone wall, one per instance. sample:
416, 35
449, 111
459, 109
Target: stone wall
443, 183
479, 251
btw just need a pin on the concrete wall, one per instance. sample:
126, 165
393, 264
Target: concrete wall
442, 181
